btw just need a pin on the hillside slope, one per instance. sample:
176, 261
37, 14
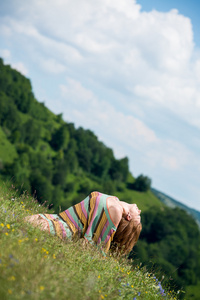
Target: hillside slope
170, 202
34, 265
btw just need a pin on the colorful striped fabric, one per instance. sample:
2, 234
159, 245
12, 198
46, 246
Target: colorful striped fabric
55, 225
89, 219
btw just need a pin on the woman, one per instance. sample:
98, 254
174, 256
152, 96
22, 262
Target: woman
99, 219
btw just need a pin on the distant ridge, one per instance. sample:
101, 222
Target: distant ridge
170, 202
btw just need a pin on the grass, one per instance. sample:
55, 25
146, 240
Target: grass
34, 265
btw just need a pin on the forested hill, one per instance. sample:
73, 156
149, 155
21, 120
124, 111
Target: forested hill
169, 201
47, 155
49, 158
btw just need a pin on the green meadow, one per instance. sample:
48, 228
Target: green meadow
34, 265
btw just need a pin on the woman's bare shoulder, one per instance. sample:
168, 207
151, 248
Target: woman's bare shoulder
115, 211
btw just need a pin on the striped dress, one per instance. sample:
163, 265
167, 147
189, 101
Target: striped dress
89, 219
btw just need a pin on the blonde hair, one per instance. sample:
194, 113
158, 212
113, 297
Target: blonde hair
126, 236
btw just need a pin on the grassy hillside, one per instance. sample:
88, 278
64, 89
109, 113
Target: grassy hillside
34, 265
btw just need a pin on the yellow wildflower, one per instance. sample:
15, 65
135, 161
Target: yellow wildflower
10, 292
2, 225
11, 278
8, 226
41, 288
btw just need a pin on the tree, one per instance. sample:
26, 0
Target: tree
119, 169
30, 133
142, 183
173, 240
60, 138
60, 175
12, 118
40, 187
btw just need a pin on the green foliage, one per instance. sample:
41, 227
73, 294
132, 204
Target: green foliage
41, 188
60, 138
30, 133
7, 150
142, 183
168, 201
16, 87
60, 173
119, 169
193, 291
170, 240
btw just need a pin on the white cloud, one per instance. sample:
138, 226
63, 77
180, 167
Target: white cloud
52, 66
40, 46
74, 91
166, 154
104, 115
5, 30
114, 44
197, 69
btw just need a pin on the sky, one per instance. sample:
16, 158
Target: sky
128, 70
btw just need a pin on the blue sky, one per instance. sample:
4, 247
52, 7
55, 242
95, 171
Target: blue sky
128, 70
